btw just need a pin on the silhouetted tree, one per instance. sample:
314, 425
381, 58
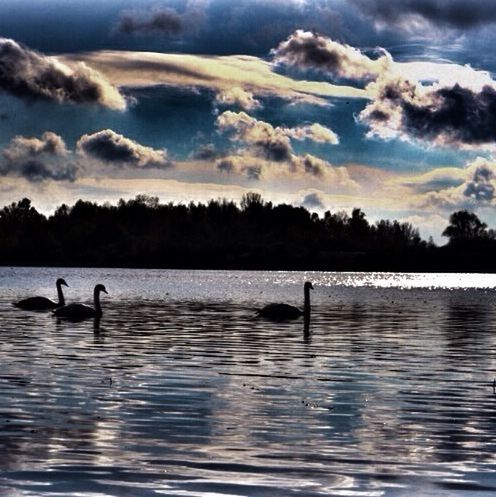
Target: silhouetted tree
465, 227
251, 200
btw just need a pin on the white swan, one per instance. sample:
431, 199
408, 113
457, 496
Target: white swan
78, 312
280, 312
42, 303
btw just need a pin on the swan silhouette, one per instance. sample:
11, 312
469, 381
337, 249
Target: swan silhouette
280, 312
42, 303
78, 312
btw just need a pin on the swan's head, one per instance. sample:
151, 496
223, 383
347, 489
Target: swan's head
100, 288
61, 281
308, 285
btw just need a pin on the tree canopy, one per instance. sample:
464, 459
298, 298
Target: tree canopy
255, 234
466, 228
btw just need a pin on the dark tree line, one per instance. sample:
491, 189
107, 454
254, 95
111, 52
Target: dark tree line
220, 234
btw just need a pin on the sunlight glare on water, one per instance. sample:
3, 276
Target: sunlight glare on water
181, 390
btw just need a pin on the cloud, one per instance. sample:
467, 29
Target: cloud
480, 185
48, 158
28, 74
309, 164
238, 97
268, 153
267, 141
458, 14
313, 200
314, 132
165, 21
38, 159
439, 115
307, 168
438, 104
430, 224
110, 147
249, 166
416, 101
322, 170
205, 152
472, 187
297, 168
216, 73
436, 180
306, 50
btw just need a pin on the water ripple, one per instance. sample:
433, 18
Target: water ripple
191, 394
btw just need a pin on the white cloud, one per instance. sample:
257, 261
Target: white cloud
314, 132
307, 50
239, 97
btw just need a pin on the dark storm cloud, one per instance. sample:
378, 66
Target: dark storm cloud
460, 14
481, 186
38, 159
443, 116
464, 116
111, 147
165, 21
28, 74
313, 201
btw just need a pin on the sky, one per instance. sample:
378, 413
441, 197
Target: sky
385, 105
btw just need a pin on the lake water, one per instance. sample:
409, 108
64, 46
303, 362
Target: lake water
182, 391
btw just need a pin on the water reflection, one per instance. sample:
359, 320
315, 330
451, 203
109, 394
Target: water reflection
383, 391
306, 329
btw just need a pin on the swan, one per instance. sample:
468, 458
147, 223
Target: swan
42, 303
279, 312
79, 312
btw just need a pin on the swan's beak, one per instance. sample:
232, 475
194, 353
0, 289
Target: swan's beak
105, 291
65, 284
311, 286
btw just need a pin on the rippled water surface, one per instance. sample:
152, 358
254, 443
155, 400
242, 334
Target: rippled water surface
182, 391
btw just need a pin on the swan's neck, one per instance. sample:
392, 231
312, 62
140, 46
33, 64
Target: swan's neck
60, 294
306, 306
96, 300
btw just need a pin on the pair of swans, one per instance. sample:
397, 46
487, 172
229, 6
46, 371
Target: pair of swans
59, 309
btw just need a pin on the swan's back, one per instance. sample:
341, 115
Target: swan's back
75, 311
280, 312
36, 304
